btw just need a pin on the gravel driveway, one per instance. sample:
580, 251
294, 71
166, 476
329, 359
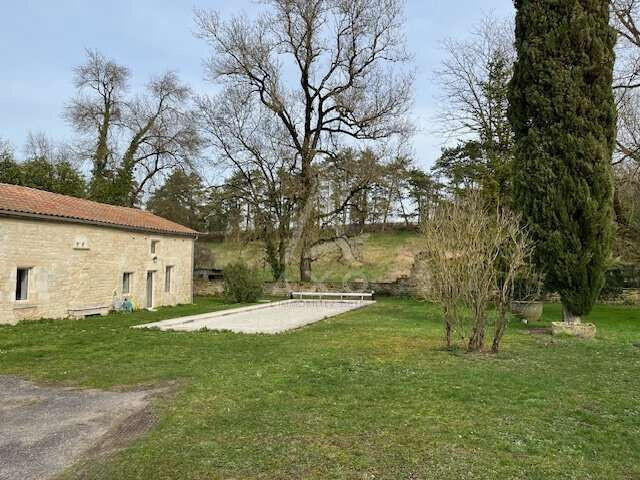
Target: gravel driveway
44, 430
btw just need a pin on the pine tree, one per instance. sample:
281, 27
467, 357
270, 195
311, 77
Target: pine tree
563, 115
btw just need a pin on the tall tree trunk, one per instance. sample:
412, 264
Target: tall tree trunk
306, 219
305, 268
276, 243
404, 213
621, 216
98, 186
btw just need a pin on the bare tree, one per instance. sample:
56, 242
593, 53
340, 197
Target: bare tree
130, 139
627, 79
6, 151
329, 71
101, 84
465, 108
255, 148
625, 15
39, 145
624, 19
473, 102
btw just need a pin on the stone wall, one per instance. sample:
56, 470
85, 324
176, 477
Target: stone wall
204, 287
403, 287
630, 296
78, 268
400, 288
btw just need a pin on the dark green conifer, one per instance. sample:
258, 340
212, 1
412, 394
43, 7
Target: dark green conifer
563, 116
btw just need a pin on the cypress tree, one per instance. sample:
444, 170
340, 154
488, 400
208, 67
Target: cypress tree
563, 116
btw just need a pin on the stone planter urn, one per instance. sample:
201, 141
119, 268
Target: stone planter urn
527, 311
581, 330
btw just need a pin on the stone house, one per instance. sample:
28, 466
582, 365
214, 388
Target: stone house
62, 256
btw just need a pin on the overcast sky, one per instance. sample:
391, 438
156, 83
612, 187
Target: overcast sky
42, 40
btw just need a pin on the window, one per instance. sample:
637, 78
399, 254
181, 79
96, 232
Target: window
22, 284
126, 282
154, 243
167, 279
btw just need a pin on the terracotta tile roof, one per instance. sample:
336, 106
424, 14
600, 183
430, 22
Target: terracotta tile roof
26, 201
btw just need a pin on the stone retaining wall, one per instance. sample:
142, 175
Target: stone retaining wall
629, 296
403, 287
400, 288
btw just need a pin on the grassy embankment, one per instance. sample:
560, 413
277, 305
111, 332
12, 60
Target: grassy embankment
383, 257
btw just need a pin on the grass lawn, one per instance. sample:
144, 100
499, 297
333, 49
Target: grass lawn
366, 395
383, 258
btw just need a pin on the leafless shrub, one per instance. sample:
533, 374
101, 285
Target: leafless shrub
472, 257
514, 260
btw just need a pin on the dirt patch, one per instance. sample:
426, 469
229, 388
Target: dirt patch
117, 438
45, 429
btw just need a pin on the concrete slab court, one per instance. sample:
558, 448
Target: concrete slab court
44, 430
274, 317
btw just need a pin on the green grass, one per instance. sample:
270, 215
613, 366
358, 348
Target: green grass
383, 258
369, 394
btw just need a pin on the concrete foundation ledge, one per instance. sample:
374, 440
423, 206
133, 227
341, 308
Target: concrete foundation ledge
582, 330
